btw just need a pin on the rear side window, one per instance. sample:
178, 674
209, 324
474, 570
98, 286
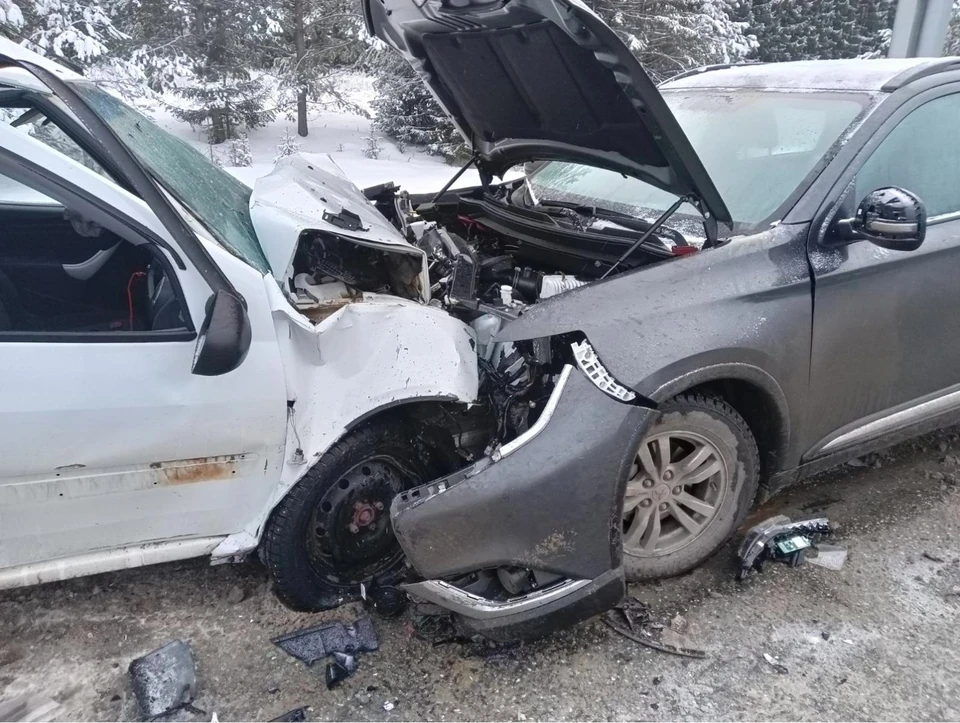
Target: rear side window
921, 155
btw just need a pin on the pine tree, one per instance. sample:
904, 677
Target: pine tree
10, 15
224, 93
812, 29
406, 111
287, 147
952, 44
669, 36
312, 41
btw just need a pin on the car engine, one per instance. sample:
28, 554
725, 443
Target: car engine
484, 276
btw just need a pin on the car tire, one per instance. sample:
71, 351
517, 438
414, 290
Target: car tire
673, 519
332, 530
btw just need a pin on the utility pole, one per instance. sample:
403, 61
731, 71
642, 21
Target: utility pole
920, 28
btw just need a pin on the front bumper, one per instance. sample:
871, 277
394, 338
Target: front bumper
550, 501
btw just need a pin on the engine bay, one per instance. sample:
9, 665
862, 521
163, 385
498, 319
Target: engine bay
488, 257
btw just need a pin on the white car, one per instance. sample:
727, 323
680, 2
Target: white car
135, 277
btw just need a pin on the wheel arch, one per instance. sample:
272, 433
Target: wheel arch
753, 393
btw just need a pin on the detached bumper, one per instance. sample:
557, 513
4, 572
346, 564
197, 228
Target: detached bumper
550, 501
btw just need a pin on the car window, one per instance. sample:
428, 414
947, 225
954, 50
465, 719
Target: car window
33, 122
64, 275
921, 155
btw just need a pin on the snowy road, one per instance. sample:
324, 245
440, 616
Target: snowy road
877, 640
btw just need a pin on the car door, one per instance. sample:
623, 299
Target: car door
109, 442
886, 328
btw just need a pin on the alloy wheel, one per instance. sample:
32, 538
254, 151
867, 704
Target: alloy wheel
675, 490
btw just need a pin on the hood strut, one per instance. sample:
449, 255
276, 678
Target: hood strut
456, 177
648, 233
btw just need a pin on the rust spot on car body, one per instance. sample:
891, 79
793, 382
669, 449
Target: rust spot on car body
201, 469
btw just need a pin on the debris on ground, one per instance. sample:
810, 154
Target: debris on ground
297, 715
781, 540
832, 557
164, 680
340, 668
433, 625
313, 644
28, 708
386, 600
933, 558
389, 705
633, 619
775, 664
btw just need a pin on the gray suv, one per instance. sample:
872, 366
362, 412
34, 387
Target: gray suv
710, 289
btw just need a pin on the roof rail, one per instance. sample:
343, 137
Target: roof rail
708, 68
921, 70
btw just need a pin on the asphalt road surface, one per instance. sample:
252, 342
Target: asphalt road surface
876, 640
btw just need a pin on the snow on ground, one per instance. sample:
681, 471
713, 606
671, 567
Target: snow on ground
340, 134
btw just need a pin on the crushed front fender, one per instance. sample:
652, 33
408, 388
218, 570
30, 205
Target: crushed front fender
552, 502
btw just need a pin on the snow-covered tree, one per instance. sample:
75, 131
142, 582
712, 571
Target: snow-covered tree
10, 15
812, 29
288, 145
225, 92
669, 36
312, 40
952, 44
239, 153
405, 111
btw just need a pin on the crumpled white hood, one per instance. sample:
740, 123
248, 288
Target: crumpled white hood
294, 197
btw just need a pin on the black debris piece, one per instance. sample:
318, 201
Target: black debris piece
313, 644
386, 600
435, 628
341, 668
633, 619
164, 680
291, 716
779, 539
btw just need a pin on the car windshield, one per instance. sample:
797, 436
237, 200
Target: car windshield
217, 199
757, 146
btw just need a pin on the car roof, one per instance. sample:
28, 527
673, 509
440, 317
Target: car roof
856, 74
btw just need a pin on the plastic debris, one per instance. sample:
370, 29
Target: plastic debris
389, 705
789, 542
164, 680
291, 716
341, 668
313, 644
831, 557
633, 620
775, 664
385, 600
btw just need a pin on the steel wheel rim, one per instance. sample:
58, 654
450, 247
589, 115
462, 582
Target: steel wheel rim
349, 537
676, 489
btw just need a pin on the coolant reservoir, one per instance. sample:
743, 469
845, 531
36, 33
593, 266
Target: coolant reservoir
486, 327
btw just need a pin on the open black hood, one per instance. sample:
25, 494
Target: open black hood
543, 79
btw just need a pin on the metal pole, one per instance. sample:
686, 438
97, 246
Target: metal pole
920, 28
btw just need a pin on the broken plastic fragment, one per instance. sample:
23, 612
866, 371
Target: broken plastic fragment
342, 667
831, 557
164, 680
313, 644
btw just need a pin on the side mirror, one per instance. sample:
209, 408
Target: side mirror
891, 218
224, 336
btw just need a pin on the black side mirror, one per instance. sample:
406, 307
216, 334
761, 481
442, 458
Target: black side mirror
224, 336
891, 218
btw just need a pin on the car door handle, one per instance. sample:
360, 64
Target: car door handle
86, 269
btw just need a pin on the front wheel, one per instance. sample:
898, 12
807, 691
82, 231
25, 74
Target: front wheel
332, 531
693, 480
